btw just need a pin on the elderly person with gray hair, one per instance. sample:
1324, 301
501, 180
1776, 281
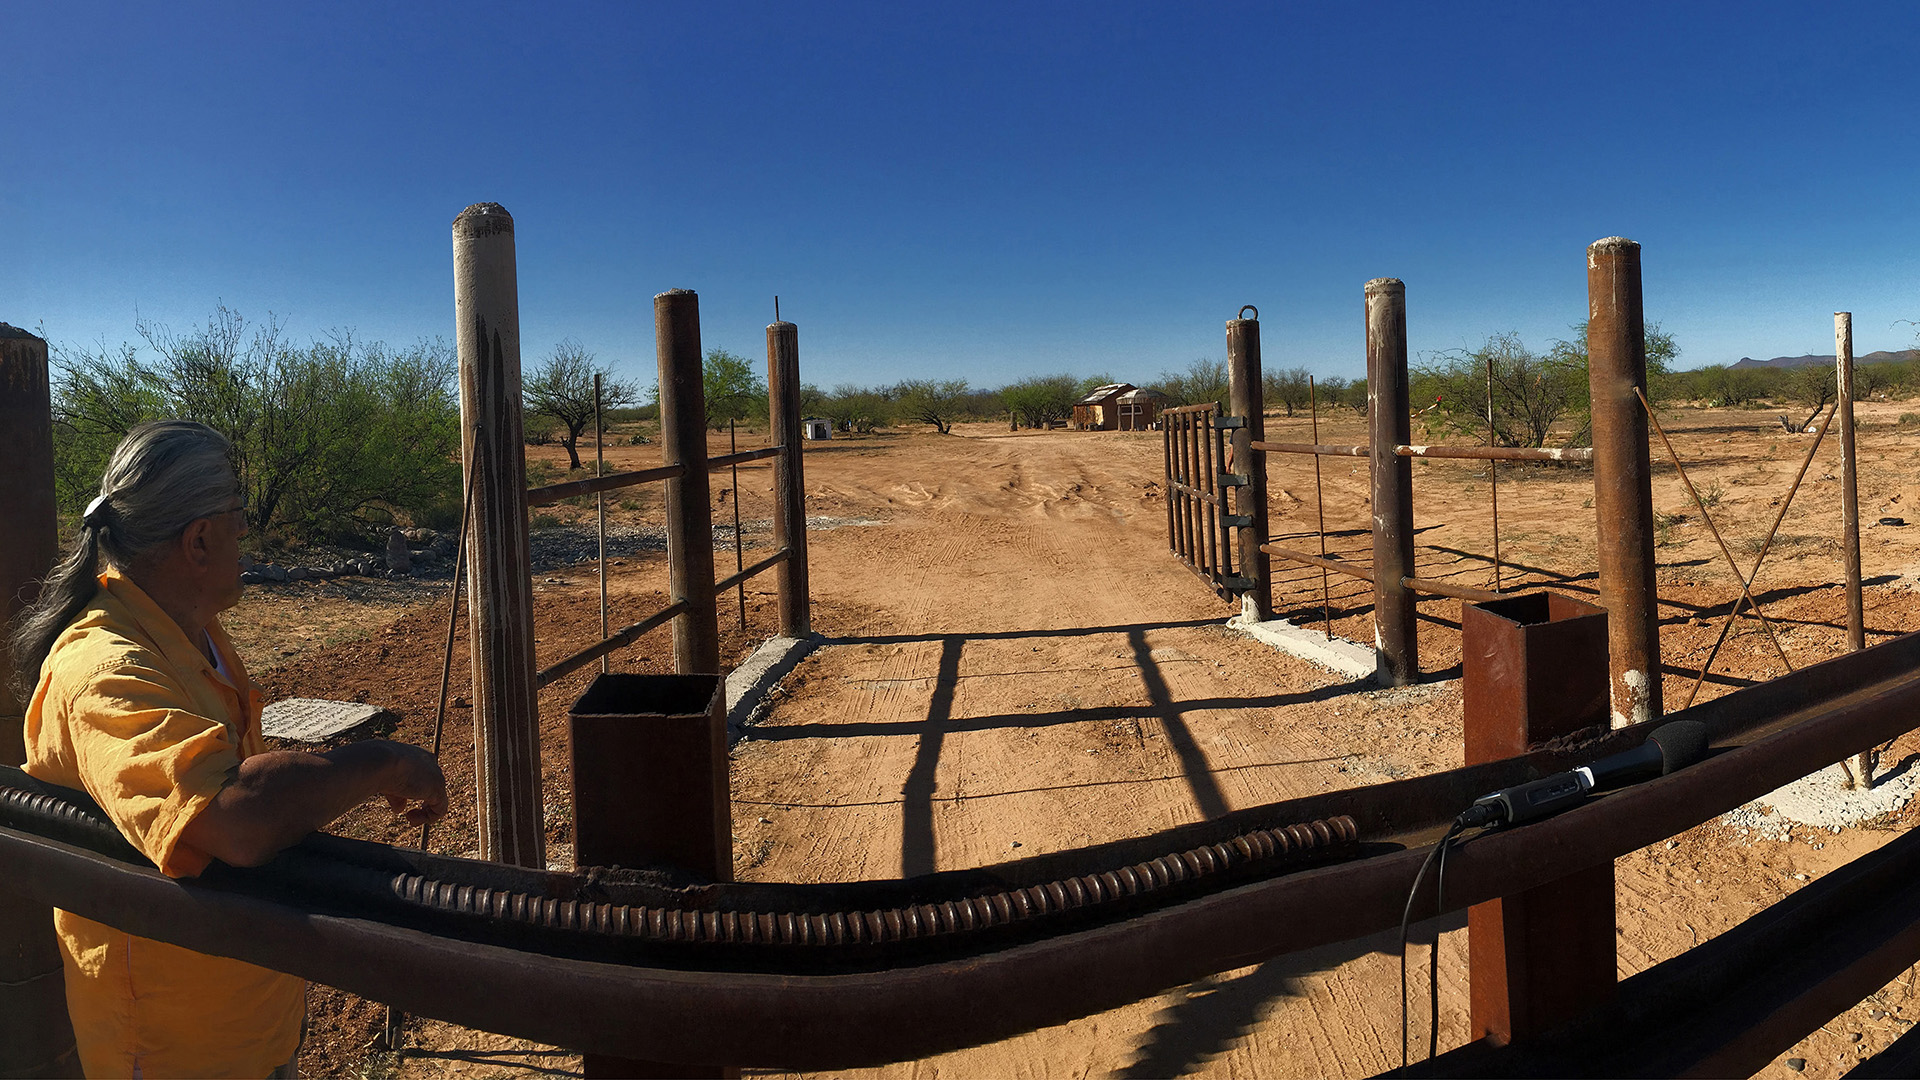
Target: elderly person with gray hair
138, 697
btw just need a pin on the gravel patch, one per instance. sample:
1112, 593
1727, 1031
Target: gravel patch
1820, 799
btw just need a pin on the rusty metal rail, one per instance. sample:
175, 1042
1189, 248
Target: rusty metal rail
1335, 565
1467, 453
740, 576
620, 639
553, 493
1423, 585
824, 1007
1458, 592
1733, 1004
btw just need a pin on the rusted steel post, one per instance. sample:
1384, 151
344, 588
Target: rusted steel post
650, 789
1623, 477
600, 507
683, 441
30, 543
35, 1037
1534, 668
506, 714
1167, 495
1396, 646
789, 479
1243, 380
1859, 768
1207, 512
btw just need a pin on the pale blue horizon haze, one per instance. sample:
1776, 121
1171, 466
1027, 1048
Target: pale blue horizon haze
982, 192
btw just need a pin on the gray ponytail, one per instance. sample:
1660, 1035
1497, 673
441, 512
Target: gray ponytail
161, 478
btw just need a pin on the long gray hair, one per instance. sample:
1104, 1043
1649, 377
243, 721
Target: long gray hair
161, 478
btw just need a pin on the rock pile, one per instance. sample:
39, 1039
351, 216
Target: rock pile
410, 553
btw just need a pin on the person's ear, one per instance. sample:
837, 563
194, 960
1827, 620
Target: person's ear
196, 542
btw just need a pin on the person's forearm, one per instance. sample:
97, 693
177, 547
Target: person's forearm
281, 796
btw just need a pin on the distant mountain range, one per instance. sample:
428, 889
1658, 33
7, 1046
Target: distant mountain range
1881, 357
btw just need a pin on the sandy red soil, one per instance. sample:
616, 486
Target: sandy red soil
1017, 665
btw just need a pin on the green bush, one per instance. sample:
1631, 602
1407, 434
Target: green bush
334, 441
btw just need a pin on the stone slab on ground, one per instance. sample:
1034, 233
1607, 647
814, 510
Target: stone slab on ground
315, 719
1349, 658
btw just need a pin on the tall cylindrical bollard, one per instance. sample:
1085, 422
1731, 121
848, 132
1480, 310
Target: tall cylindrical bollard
35, 1036
1849, 480
506, 714
1622, 477
1859, 768
789, 479
683, 441
1395, 641
31, 542
1243, 381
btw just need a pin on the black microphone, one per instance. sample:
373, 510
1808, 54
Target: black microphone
1668, 747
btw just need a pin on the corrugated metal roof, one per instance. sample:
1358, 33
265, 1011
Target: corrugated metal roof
1103, 393
1137, 395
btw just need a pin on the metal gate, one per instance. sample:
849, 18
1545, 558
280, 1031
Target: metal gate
1199, 523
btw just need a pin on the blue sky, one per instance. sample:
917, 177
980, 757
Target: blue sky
980, 191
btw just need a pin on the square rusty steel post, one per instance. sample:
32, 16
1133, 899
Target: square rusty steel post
650, 788
1535, 668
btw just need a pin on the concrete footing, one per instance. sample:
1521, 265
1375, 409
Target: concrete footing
749, 684
1343, 657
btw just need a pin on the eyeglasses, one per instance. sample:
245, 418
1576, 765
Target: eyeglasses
230, 509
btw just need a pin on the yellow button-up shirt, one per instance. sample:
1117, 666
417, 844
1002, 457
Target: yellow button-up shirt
131, 711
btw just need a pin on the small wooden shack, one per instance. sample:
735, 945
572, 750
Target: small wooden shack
1117, 407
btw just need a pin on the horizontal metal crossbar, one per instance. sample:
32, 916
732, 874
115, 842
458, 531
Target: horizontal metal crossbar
741, 458
618, 640
1202, 494
1458, 592
1334, 565
1472, 453
767, 563
553, 493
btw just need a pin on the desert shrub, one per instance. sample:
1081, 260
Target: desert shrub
1204, 380
1039, 399
335, 440
541, 473
1910, 419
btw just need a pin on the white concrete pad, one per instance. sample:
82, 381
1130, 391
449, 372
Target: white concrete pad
749, 684
1349, 658
314, 719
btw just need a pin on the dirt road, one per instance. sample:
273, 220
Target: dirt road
1017, 665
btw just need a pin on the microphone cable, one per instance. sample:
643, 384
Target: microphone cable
1437, 855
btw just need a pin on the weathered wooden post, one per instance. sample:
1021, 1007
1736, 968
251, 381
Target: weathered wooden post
1395, 640
1243, 380
789, 479
35, 1036
683, 441
1622, 477
1534, 668
506, 715
1859, 768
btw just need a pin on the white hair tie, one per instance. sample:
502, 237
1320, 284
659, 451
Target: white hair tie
92, 516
